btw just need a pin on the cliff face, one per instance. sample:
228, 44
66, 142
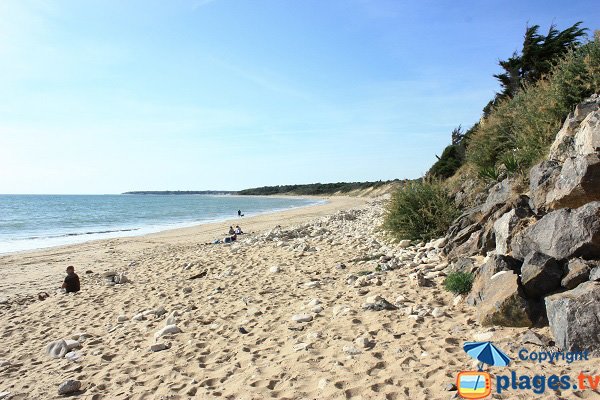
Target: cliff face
542, 243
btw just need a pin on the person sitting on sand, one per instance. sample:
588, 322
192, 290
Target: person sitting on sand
231, 231
71, 283
230, 239
238, 230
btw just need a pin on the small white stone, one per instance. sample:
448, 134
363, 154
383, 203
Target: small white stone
457, 300
351, 350
314, 302
317, 309
404, 244
167, 330
483, 336
57, 349
437, 312
4, 395
275, 269
301, 346
363, 342
302, 318
312, 284
323, 382
73, 356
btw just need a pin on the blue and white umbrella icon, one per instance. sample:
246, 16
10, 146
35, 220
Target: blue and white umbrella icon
486, 352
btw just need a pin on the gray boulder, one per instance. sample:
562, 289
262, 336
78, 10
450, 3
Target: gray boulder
577, 183
503, 303
57, 349
504, 228
562, 234
595, 274
542, 178
540, 274
579, 132
499, 194
491, 267
573, 317
578, 271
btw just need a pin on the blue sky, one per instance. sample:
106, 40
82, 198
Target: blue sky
109, 96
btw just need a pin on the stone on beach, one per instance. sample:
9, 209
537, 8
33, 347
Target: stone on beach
169, 329
69, 386
302, 318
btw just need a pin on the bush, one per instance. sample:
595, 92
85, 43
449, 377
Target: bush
459, 282
525, 126
451, 160
421, 210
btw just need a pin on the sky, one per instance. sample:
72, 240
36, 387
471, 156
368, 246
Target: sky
101, 97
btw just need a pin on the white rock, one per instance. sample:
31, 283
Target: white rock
3, 300
167, 330
4, 395
73, 356
122, 318
351, 350
4, 363
457, 300
314, 302
317, 309
274, 270
363, 342
57, 349
323, 383
313, 336
437, 312
301, 346
312, 284
69, 386
400, 299
139, 317
302, 318
404, 244
171, 319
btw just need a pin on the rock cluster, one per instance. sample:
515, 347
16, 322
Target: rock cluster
542, 247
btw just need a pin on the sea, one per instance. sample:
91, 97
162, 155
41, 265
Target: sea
30, 222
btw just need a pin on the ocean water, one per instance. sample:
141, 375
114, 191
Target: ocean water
38, 221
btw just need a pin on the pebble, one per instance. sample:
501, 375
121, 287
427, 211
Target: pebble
57, 349
167, 330
301, 346
3, 300
437, 312
351, 350
122, 318
312, 284
275, 269
74, 356
4, 363
187, 290
69, 386
457, 300
323, 383
317, 309
363, 342
302, 318
158, 347
314, 302
4, 395
403, 244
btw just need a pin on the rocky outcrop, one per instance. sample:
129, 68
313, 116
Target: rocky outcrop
577, 272
573, 317
542, 178
503, 302
562, 234
504, 227
491, 267
540, 274
577, 183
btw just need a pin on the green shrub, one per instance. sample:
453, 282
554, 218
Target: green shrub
525, 126
459, 282
421, 210
490, 174
450, 161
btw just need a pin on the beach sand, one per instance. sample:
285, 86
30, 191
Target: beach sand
235, 306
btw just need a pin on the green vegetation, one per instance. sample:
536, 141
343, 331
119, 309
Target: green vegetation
459, 282
523, 127
316, 188
421, 210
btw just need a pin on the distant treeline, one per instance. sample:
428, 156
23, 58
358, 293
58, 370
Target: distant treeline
315, 188
182, 192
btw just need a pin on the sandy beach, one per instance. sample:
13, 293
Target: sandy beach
321, 308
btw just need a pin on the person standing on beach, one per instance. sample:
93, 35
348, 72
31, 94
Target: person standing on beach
239, 213
71, 283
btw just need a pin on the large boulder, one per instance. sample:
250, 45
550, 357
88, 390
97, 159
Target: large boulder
504, 228
562, 234
542, 178
499, 194
579, 132
578, 271
503, 303
540, 274
493, 265
573, 317
577, 184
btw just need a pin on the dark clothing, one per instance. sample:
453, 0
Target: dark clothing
72, 283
